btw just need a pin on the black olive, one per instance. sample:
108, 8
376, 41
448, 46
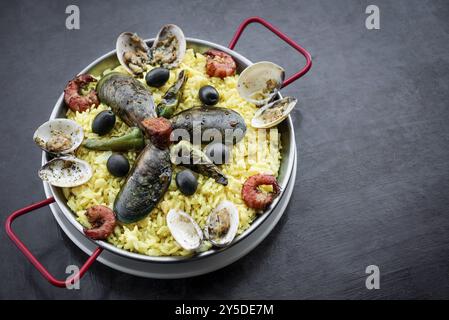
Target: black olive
103, 122
157, 77
186, 182
218, 153
209, 95
118, 165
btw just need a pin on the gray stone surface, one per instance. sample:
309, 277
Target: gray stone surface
372, 131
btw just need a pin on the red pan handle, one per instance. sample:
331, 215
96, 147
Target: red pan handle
281, 35
32, 258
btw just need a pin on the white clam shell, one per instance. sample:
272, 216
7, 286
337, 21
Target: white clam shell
253, 82
169, 30
184, 229
259, 123
54, 127
125, 44
233, 213
66, 171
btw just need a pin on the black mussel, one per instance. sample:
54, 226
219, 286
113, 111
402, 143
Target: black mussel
209, 95
128, 98
214, 124
103, 122
145, 185
157, 77
118, 165
186, 182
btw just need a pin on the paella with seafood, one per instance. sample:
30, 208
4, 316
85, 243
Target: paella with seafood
172, 152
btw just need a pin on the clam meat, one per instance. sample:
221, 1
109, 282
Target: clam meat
132, 53
59, 136
222, 224
169, 48
260, 82
273, 113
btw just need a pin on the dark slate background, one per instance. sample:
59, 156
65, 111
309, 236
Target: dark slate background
372, 131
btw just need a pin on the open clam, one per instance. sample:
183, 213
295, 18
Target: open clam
260, 82
66, 171
273, 113
59, 136
132, 53
184, 229
169, 48
222, 224
167, 51
221, 227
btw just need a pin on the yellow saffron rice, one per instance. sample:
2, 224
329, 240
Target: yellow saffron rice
258, 152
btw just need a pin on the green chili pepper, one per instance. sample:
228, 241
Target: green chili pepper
131, 141
170, 101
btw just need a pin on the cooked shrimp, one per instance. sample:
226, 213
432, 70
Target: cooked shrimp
73, 97
102, 220
219, 64
255, 198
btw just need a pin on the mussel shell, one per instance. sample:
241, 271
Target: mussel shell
210, 124
259, 123
125, 43
67, 127
227, 238
184, 229
255, 79
145, 185
166, 31
128, 98
66, 172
